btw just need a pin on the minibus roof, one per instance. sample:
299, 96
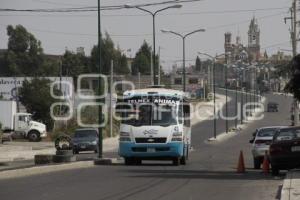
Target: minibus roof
155, 91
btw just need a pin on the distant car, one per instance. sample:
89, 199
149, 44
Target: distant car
272, 107
261, 141
285, 149
85, 140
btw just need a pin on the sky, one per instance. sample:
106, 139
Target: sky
130, 27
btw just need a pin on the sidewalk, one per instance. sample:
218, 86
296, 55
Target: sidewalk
20, 151
291, 186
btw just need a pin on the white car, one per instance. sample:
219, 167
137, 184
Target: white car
261, 141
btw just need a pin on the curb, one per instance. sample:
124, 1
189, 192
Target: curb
108, 161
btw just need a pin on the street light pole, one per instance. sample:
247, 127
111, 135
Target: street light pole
236, 100
183, 64
100, 145
183, 37
226, 98
241, 77
153, 14
214, 88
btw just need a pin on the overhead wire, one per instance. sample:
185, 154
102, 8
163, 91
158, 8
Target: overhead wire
94, 8
166, 14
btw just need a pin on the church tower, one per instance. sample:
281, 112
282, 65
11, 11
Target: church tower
228, 43
254, 40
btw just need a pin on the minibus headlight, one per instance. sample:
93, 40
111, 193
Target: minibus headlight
125, 137
177, 137
124, 134
177, 134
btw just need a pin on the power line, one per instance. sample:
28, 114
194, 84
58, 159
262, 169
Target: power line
94, 8
275, 45
146, 34
166, 14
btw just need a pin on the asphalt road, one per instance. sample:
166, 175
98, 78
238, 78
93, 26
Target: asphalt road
210, 173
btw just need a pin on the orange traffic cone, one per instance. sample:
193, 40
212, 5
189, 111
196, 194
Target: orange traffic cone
241, 164
266, 164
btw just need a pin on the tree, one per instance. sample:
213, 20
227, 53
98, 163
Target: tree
198, 65
25, 54
294, 83
35, 96
108, 53
142, 60
74, 64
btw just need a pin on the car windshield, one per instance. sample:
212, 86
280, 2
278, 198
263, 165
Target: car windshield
85, 134
268, 132
288, 134
152, 115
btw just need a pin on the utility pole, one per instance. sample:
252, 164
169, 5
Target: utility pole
294, 39
293, 31
111, 99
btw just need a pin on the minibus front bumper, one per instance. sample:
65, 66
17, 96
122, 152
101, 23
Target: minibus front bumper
167, 150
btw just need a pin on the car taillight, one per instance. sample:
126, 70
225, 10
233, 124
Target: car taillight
260, 141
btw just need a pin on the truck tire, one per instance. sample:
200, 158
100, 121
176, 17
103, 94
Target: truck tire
183, 160
138, 161
34, 136
64, 152
128, 161
176, 161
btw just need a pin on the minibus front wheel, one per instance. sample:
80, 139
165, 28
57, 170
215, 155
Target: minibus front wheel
176, 161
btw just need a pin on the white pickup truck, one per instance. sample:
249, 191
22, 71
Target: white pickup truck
20, 123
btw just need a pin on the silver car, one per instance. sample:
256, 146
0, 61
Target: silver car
261, 141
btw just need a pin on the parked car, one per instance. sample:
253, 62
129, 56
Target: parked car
285, 149
272, 107
85, 139
261, 141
